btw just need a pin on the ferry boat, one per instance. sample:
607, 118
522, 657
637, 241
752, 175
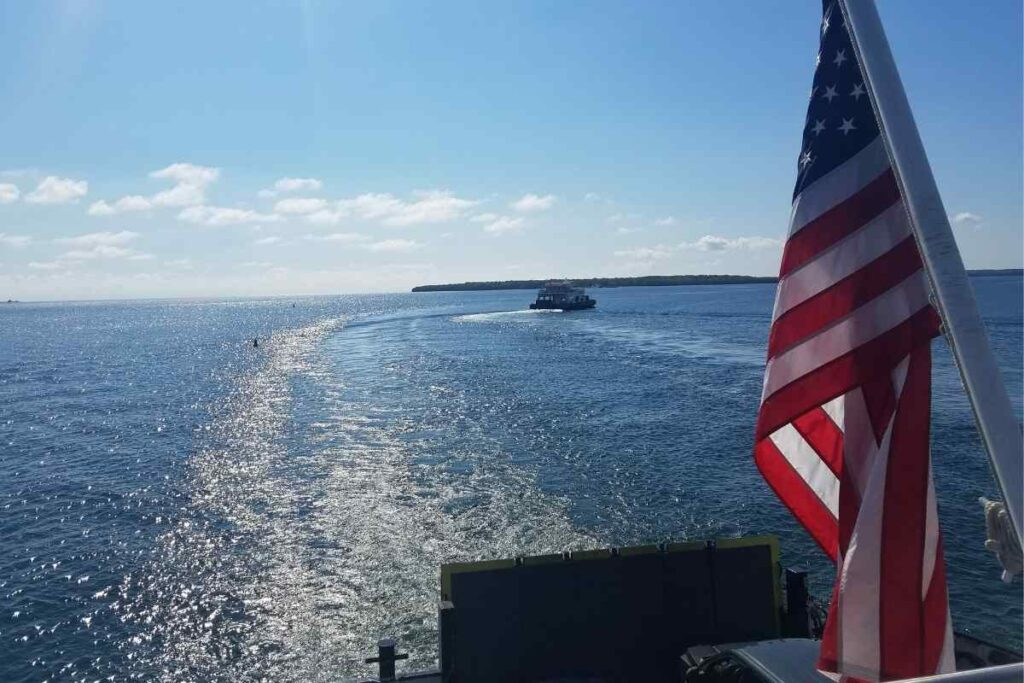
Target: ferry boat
563, 296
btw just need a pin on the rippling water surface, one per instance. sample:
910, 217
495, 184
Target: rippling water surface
177, 505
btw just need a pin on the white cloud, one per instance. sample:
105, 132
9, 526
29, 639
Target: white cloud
966, 219
616, 218
498, 225
338, 237
434, 206
99, 245
15, 240
130, 203
263, 241
300, 205
104, 251
181, 194
45, 265
290, 185
325, 217
716, 243
394, 245
54, 190
183, 263
190, 183
296, 184
533, 202
19, 173
430, 206
657, 253
93, 239
188, 174
257, 264
222, 215
591, 197
626, 231
9, 193
99, 251
667, 220
504, 224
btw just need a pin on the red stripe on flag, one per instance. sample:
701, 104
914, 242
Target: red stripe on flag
841, 220
824, 437
794, 492
842, 298
840, 375
936, 612
902, 626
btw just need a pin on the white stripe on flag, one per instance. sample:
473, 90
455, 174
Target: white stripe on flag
839, 184
870, 320
808, 465
860, 573
844, 258
834, 409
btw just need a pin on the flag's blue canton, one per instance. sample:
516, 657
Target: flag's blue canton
840, 121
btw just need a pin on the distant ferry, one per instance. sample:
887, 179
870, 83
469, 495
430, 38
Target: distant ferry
562, 295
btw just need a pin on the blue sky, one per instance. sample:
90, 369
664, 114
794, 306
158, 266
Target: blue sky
205, 149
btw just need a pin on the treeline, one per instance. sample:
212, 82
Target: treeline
645, 281
996, 271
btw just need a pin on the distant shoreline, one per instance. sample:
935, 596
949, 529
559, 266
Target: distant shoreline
645, 281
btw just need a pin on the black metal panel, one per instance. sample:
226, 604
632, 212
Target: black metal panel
487, 624
610, 617
745, 607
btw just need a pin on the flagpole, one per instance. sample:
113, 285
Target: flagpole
953, 295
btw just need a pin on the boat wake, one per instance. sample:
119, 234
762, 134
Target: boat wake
504, 316
314, 525
213, 601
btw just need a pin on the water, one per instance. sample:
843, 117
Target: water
176, 505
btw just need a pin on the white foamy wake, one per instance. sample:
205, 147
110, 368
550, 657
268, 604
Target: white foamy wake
311, 531
502, 316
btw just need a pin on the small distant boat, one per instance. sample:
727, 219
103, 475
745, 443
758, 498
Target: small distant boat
564, 296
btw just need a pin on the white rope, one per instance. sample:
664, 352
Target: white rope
1001, 539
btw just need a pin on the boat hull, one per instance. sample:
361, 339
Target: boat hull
544, 305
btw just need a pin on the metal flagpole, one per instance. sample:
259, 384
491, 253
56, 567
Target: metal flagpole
954, 297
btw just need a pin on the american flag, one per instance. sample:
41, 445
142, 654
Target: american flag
842, 431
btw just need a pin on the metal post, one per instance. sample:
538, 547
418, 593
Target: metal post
385, 659
954, 297
798, 623
446, 639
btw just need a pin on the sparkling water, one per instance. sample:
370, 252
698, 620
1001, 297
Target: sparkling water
177, 505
